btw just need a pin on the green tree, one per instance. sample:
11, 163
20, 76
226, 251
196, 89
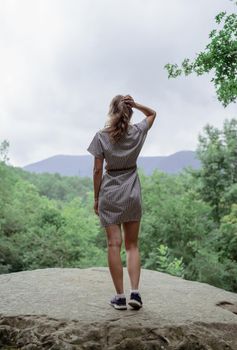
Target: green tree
219, 56
59, 187
215, 258
227, 238
4, 147
217, 178
161, 259
81, 230
173, 215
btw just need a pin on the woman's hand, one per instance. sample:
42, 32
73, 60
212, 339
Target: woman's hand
129, 100
96, 206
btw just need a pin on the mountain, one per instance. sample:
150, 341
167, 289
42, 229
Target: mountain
82, 165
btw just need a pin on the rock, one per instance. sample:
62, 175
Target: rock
67, 308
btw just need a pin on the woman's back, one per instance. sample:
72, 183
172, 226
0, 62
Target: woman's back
125, 152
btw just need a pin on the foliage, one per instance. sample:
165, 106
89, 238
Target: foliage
226, 243
179, 234
38, 232
216, 181
59, 187
160, 259
219, 56
173, 215
4, 148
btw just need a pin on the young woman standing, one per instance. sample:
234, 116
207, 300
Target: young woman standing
117, 192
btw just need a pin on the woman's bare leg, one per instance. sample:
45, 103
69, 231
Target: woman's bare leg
114, 242
131, 231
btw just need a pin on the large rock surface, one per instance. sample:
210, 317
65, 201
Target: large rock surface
67, 308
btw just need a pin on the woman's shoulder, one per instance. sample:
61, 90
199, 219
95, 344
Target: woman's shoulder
142, 126
103, 131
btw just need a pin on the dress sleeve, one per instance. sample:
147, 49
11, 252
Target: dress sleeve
143, 126
95, 147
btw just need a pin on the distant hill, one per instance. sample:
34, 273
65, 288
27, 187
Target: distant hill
82, 165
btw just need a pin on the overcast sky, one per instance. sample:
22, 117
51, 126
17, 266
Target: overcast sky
62, 61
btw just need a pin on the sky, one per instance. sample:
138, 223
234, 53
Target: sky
62, 62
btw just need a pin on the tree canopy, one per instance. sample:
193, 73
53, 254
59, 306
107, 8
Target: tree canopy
219, 57
188, 228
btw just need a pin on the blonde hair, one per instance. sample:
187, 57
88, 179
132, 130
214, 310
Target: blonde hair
119, 117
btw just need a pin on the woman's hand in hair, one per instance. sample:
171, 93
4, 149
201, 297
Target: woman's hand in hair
129, 100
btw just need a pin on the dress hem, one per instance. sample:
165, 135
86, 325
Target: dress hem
117, 223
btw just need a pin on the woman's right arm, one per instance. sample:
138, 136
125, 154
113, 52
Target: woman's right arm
150, 113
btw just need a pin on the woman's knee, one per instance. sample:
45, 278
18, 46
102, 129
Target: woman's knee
131, 232
131, 246
114, 243
114, 236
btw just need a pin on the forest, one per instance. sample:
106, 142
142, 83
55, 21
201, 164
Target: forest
188, 228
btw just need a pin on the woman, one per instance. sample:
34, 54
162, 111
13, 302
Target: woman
118, 199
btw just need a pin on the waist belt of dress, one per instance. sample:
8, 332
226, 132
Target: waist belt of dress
121, 169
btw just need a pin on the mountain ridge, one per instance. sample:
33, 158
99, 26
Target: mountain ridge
81, 165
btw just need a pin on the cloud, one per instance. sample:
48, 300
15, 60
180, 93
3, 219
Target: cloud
63, 61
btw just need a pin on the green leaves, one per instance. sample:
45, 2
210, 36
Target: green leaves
4, 146
188, 228
219, 17
173, 70
161, 259
219, 57
217, 151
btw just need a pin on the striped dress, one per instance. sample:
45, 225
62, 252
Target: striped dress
120, 198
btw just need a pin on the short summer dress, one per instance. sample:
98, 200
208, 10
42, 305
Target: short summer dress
120, 198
